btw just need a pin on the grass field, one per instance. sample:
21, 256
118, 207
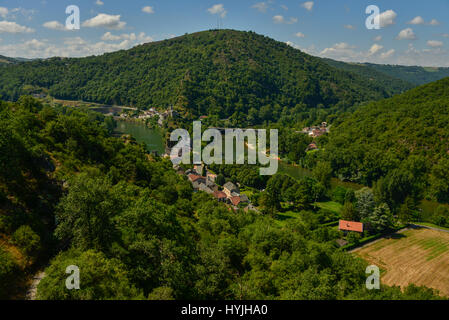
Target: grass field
418, 256
332, 206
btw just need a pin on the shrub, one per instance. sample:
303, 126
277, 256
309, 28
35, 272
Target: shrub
28, 241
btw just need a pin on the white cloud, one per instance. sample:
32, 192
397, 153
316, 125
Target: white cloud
406, 34
434, 43
69, 47
283, 6
375, 48
105, 21
339, 50
280, 20
148, 9
349, 26
300, 35
261, 6
387, 18
3, 12
445, 35
434, 22
388, 54
378, 38
218, 9
416, 20
308, 5
12, 27
293, 45
141, 37
99, 3
54, 25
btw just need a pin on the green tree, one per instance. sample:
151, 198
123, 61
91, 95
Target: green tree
323, 173
100, 278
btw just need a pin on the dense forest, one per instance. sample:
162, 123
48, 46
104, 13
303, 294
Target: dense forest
395, 77
222, 73
398, 145
73, 193
412, 74
394, 84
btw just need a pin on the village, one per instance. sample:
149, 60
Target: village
203, 179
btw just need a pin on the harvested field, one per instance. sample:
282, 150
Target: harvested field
419, 256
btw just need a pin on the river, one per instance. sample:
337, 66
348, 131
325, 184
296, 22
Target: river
154, 141
152, 138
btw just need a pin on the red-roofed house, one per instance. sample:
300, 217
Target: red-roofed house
350, 226
235, 200
220, 196
195, 177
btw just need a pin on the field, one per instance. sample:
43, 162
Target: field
419, 256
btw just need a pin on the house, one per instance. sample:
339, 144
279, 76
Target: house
350, 226
203, 187
229, 188
235, 200
196, 178
211, 185
211, 176
312, 146
220, 196
199, 169
244, 198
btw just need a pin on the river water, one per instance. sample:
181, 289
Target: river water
154, 141
152, 138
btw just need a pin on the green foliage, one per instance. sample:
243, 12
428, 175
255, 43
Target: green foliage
136, 229
27, 240
400, 143
100, 278
339, 194
323, 173
242, 76
441, 216
9, 271
393, 81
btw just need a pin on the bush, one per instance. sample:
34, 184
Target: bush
28, 241
8, 272
339, 194
100, 278
441, 216
353, 238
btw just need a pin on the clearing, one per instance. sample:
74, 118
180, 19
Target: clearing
419, 256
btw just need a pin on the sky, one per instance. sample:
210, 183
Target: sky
410, 32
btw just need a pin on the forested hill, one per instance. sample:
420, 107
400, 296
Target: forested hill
393, 76
404, 139
414, 74
374, 73
6, 60
218, 72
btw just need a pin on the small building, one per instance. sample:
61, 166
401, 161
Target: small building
220, 196
312, 146
211, 176
350, 226
229, 188
196, 178
244, 198
235, 200
204, 188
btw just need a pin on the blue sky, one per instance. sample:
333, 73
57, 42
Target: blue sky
412, 32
